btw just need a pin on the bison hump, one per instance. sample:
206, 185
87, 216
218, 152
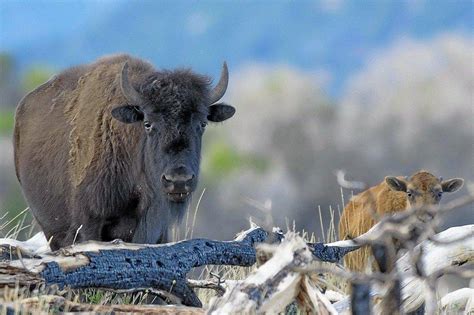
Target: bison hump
87, 112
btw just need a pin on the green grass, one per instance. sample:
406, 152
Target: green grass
7, 120
222, 159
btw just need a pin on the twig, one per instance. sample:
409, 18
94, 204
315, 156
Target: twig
207, 284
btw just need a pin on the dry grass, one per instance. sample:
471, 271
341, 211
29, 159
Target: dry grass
22, 225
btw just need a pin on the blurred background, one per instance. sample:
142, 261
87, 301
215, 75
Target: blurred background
372, 87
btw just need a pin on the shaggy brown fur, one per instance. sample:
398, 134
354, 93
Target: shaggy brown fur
392, 195
90, 162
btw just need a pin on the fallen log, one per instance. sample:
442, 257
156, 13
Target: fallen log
438, 255
276, 284
119, 265
459, 301
271, 287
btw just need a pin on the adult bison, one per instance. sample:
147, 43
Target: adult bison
112, 149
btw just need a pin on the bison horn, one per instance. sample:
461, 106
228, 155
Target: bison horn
220, 88
132, 96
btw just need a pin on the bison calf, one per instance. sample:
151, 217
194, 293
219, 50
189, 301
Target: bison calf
112, 149
392, 195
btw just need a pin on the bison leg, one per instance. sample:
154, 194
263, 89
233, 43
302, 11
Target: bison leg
151, 228
59, 239
90, 228
119, 228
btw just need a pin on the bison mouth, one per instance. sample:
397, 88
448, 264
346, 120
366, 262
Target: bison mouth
178, 196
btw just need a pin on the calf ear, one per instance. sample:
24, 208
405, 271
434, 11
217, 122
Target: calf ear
396, 184
452, 185
127, 114
220, 112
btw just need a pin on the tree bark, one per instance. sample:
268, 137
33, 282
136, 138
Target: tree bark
119, 265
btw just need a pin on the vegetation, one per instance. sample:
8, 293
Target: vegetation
35, 76
7, 119
12, 228
222, 159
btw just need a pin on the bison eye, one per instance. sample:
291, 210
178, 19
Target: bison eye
409, 194
440, 194
147, 125
203, 124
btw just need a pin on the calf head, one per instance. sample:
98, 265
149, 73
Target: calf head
423, 188
173, 108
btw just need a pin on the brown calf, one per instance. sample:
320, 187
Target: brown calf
392, 195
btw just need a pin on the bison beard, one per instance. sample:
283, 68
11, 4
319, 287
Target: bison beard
112, 149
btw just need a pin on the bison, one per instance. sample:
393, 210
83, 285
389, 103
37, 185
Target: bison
392, 195
111, 150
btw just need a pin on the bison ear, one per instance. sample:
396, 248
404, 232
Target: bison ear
452, 185
127, 114
220, 112
396, 184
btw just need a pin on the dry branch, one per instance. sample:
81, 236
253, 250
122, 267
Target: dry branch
436, 258
313, 300
283, 277
461, 300
272, 286
122, 266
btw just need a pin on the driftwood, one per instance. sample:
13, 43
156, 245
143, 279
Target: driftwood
284, 278
289, 270
437, 259
119, 265
288, 274
276, 283
459, 301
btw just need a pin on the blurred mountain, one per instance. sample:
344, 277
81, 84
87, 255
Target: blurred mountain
335, 37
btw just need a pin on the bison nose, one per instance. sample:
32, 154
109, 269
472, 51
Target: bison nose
178, 179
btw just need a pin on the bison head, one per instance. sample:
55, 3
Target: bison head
173, 109
423, 188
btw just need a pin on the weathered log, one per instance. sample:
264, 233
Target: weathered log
271, 287
119, 265
459, 301
438, 255
311, 299
278, 282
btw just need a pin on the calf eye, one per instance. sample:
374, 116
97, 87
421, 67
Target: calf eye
440, 194
409, 194
147, 125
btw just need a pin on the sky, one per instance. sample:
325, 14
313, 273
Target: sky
332, 38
